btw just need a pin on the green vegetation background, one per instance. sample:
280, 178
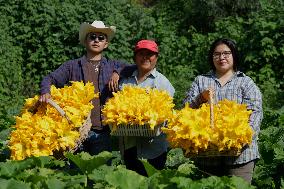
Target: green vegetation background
38, 36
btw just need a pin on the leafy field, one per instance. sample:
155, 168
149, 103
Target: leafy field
38, 36
88, 171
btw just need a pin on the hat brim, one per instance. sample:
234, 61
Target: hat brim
86, 28
147, 48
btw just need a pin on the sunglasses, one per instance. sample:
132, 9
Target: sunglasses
94, 36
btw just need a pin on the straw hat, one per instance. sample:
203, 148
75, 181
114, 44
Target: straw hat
96, 26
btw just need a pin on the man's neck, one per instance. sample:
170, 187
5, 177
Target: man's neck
94, 57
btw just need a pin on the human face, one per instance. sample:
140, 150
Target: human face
146, 60
223, 59
96, 42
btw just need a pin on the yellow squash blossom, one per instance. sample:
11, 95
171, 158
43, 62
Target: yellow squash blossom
138, 106
190, 129
46, 131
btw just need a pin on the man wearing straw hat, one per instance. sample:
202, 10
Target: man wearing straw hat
95, 68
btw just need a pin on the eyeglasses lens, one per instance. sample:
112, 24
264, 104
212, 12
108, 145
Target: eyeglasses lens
226, 54
100, 37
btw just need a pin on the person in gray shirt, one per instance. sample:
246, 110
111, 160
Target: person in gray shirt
154, 149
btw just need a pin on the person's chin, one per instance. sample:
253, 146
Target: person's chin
96, 50
223, 66
145, 68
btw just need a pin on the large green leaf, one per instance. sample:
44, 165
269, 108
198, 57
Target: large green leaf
182, 182
13, 184
54, 183
99, 174
187, 169
149, 168
175, 158
87, 163
126, 179
30, 175
240, 183
12, 168
162, 179
47, 161
74, 180
279, 154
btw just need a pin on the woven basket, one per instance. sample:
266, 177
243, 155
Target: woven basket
212, 150
136, 130
83, 130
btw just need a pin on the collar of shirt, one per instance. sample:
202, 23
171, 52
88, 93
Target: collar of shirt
212, 73
152, 73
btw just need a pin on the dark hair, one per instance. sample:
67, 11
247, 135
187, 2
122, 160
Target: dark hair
233, 47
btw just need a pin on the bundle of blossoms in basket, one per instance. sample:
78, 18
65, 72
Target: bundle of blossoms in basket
134, 107
193, 131
46, 130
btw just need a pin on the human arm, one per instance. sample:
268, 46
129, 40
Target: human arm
197, 94
169, 88
253, 98
120, 70
162, 83
119, 66
113, 82
59, 78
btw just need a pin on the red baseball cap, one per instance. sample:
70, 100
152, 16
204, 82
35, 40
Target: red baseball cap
147, 44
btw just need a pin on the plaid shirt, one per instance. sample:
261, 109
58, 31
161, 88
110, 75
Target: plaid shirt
73, 71
242, 89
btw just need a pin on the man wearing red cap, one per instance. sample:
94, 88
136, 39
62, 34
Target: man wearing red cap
147, 44
153, 149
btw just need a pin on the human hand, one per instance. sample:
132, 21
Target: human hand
113, 82
44, 97
205, 95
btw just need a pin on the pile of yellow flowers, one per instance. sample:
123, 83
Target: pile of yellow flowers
46, 131
190, 129
138, 106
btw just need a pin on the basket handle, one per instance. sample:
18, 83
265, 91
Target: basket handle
59, 109
54, 105
211, 103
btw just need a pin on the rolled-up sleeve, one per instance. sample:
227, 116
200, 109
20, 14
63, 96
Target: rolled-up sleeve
58, 78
